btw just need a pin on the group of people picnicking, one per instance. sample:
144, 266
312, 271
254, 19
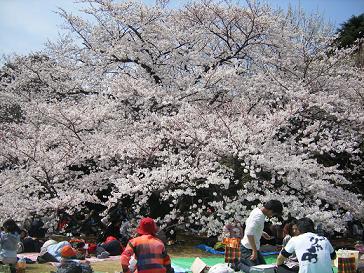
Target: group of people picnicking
143, 252
303, 250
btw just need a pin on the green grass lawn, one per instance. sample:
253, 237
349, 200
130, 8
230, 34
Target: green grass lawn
175, 252
114, 266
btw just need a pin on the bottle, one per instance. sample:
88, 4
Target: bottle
87, 255
21, 266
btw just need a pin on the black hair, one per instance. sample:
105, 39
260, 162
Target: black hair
24, 231
275, 206
10, 226
288, 227
305, 225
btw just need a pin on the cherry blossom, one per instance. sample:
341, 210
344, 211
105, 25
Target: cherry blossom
212, 108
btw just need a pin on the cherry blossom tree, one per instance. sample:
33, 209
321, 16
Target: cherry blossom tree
193, 115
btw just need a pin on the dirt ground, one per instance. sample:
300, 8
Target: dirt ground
109, 267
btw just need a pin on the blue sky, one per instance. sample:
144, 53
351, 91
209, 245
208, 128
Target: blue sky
25, 25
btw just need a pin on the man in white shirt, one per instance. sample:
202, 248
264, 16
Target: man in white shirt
250, 244
314, 252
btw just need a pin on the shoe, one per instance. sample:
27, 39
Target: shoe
103, 255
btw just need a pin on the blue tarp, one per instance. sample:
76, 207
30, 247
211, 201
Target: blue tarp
210, 249
216, 252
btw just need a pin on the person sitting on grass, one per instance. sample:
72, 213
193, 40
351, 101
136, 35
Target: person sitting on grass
111, 245
149, 251
290, 230
29, 244
69, 262
9, 240
314, 252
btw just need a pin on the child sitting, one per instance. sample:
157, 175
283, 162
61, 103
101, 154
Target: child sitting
9, 240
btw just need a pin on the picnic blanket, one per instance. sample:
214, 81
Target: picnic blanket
32, 256
360, 248
186, 263
210, 261
95, 260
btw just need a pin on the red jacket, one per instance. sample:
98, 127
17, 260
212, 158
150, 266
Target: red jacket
150, 254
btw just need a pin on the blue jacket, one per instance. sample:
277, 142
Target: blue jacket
55, 249
8, 246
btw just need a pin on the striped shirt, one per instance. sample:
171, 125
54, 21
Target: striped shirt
150, 254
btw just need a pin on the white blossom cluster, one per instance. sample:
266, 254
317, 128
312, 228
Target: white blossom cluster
213, 108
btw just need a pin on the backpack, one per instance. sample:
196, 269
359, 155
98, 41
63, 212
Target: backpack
74, 268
